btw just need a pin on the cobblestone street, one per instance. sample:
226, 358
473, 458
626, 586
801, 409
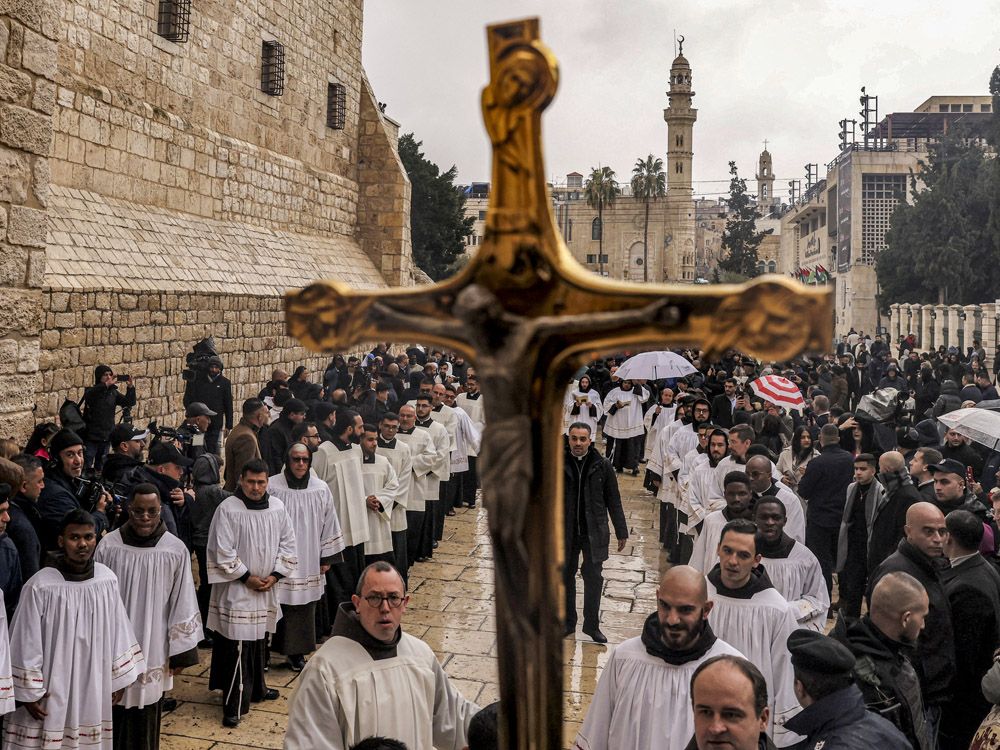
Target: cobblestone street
451, 608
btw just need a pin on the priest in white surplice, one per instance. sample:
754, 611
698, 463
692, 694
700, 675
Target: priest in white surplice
738, 498
401, 459
750, 615
442, 468
251, 546
643, 698
657, 417
765, 480
790, 565
471, 402
381, 491
6, 682
72, 648
338, 463
319, 543
582, 404
372, 679
423, 488
623, 427
154, 578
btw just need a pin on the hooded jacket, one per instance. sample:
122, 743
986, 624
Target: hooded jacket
208, 495
99, 404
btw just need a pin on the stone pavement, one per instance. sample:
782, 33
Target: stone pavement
451, 608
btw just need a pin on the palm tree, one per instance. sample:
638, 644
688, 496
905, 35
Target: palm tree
600, 190
649, 182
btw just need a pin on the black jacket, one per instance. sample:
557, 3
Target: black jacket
99, 404
591, 485
935, 660
57, 499
840, 721
24, 530
887, 528
886, 677
825, 484
722, 411
973, 590
175, 518
277, 439
216, 394
117, 466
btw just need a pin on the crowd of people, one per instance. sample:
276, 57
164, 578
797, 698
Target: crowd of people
830, 578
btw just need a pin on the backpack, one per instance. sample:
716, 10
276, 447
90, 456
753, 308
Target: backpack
71, 417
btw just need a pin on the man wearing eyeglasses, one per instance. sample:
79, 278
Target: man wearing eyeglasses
154, 578
369, 655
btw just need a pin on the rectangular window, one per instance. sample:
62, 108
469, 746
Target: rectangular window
272, 68
985, 107
603, 259
482, 215
336, 105
591, 258
569, 230
956, 107
966, 107
880, 194
173, 20
942, 108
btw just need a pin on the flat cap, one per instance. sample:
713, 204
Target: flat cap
819, 654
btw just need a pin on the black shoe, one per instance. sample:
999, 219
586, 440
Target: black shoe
596, 634
231, 721
169, 704
635, 472
206, 643
569, 631
272, 695
434, 546
470, 505
296, 663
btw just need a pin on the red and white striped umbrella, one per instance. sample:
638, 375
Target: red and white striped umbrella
780, 391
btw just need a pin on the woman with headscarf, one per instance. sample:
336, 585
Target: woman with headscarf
319, 542
299, 383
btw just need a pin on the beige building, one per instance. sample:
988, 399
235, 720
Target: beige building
840, 223
167, 171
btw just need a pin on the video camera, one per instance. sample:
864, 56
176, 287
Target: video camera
184, 434
89, 490
198, 358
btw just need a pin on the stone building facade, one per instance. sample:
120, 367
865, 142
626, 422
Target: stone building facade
165, 196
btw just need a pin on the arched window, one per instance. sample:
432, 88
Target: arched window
761, 268
679, 140
763, 192
595, 228
772, 267
679, 168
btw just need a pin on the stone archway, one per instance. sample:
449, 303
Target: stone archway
634, 263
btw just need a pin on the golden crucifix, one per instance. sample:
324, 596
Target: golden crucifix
527, 314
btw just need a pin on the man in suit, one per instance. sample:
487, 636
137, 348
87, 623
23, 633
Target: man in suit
724, 404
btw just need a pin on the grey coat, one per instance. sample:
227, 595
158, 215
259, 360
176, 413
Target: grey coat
875, 503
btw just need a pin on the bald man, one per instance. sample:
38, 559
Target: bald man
882, 641
900, 493
643, 695
921, 555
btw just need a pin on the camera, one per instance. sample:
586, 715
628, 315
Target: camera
197, 360
90, 489
184, 434
124, 378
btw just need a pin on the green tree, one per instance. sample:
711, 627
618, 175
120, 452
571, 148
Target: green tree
600, 190
740, 238
649, 182
438, 224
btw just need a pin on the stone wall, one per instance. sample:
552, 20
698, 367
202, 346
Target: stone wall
27, 98
147, 335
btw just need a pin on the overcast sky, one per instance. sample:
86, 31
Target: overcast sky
784, 70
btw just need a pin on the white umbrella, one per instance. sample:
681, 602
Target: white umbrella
655, 366
979, 425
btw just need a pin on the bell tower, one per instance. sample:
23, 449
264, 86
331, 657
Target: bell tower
679, 255
765, 182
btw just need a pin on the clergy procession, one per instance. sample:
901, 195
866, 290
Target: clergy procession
828, 570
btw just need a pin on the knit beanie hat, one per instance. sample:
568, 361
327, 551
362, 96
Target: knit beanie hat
62, 440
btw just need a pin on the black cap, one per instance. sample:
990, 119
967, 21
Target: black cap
814, 652
167, 453
948, 466
124, 432
62, 440
294, 406
198, 409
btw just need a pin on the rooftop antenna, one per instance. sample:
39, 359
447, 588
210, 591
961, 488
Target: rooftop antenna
675, 42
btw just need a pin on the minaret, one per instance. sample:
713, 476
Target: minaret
678, 261
765, 182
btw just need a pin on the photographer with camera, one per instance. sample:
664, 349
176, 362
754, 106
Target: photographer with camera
166, 469
127, 444
99, 404
209, 387
66, 490
193, 434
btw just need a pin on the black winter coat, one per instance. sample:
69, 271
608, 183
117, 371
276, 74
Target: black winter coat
887, 528
216, 394
24, 529
935, 657
99, 404
57, 499
825, 484
594, 488
840, 721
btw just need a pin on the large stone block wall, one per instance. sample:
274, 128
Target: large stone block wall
27, 98
148, 335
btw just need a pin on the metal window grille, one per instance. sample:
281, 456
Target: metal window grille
272, 69
174, 20
336, 105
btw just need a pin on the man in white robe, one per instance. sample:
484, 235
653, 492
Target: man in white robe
754, 618
419, 531
623, 429
471, 402
582, 403
763, 484
792, 568
251, 546
338, 463
442, 469
739, 498
319, 543
66, 691
642, 699
741, 437
372, 679
697, 500
381, 491
656, 418
467, 440
6, 681
447, 417
154, 578
401, 460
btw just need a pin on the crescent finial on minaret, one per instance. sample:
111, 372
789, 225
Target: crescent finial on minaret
680, 44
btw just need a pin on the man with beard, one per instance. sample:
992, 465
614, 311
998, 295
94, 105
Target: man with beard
154, 578
740, 439
319, 543
751, 616
307, 434
957, 448
697, 500
65, 693
58, 496
338, 463
685, 438
251, 546
642, 697
442, 470
278, 437
590, 494
381, 490
953, 494
724, 404
243, 444
423, 486
763, 483
922, 478
921, 555
738, 497
127, 444
865, 499
401, 459
324, 414
792, 568
623, 428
